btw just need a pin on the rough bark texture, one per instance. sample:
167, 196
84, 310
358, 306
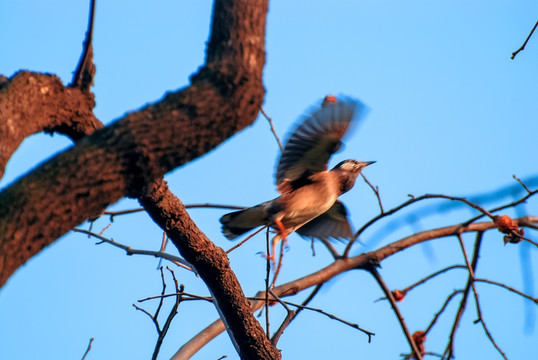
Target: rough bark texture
129, 157
213, 266
33, 102
119, 160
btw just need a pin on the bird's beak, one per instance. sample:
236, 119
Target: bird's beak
369, 163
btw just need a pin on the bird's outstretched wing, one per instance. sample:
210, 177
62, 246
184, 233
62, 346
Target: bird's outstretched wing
312, 143
331, 224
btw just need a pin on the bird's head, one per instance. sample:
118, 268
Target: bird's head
349, 170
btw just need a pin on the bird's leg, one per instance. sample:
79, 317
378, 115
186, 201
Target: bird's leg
282, 229
279, 266
283, 233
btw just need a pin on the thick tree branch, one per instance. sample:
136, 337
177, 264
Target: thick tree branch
31, 103
119, 160
213, 267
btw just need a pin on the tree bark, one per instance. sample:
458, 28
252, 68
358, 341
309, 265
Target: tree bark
211, 263
119, 160
129, 158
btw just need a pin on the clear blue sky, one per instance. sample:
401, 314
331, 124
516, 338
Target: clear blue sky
450, 113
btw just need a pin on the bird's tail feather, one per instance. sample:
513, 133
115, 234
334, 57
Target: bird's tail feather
239, 222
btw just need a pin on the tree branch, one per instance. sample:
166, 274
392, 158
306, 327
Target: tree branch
414, 348
525, 43
463, 303
119, 160
339, 266
212, 264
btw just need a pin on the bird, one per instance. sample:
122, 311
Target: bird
308, 203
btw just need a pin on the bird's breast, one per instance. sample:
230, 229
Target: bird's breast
310, 201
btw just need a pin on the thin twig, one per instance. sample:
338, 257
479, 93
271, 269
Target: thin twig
214, 206
85, 71
246, 239
161, 300
502, 207
267, 274
401, 320
88, 349
529, 241
301, 307
436, 316
427, 278
412, 201
375, 189
522, 184
422, 281
462, 246
511, 289
481, 319
272, 129
279, 265
190, 206
130, 251
290, 315
149, 315
475, 293
122, 212
154, 318
333, 317
185, 296
449, 350
164, 242
525, 43
309, 298
171, 315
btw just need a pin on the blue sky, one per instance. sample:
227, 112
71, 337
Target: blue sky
450, 113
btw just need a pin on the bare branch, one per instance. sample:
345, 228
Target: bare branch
339, 266
83, 76
185, 125
525, 43
171, 315
429, 277
469, 267
481, 320
289, 316
246, 239
412, 201
88, 349
511, 289
388, 294
375, 189
436, 316
161, 299
521, 182
272, 129
309, 298
190, 206
213, 267
130, 251
463, 303
185, 296
332, 317
267, 275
